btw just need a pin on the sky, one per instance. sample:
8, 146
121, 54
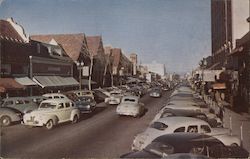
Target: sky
176, 33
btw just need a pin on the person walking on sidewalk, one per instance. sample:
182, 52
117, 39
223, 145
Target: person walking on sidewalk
221, 112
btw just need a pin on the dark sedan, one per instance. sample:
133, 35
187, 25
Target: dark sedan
85, 104
9, 115
192, 143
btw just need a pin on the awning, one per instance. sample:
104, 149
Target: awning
86, 82
214, 66
237, 51
54, 81
9, 84
219, 86
25, 81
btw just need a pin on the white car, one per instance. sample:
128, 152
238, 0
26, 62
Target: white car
52, 112
130, 106
81, 93
182, 124
115, 98
55, 96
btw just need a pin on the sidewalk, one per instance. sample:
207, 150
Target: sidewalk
237, 121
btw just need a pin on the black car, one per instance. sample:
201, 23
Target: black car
192, 143
85, 104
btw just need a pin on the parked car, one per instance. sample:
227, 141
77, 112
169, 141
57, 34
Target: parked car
55, 96
9, 115
213, 122
23, 104
80, 93
85, 104
38, 99
115, 98
182, 124
188, 143
130, 106
99, 96
52, 112
155, 92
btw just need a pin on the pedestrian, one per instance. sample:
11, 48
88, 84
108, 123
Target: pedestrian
221, 112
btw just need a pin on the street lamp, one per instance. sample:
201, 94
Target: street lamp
203, 64
80, 66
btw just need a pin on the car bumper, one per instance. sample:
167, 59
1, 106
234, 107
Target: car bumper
128, 113
32, 123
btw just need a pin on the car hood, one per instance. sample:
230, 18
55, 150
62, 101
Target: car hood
40, 111
219, 131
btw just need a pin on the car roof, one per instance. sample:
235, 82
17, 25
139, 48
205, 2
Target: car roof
184, 138
183, 112
56, 100
16, 98
176, 121
53, 94
130, 97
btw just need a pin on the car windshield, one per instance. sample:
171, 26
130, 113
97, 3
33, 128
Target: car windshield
48, 105
159, 126
129, 100
85, 99
114, 93
159, 148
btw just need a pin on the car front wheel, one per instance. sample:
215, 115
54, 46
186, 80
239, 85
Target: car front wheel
75, 119
5, 121
49, 125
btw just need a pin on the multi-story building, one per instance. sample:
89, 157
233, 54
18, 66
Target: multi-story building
157, 68
133, 59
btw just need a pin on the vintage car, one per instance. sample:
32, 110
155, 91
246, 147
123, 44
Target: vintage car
155, 92
9, 115
85, 104
188, 145
55, 96
52, 112
166, 112
182, 124
80, 93
115, 98
23, 104
130, 106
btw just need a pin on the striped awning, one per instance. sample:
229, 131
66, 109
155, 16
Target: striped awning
9, 84
25, 81
55, 81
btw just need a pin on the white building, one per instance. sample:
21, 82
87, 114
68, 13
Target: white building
240, 13
156, 68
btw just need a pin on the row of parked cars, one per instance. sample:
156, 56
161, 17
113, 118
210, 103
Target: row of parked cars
186, 127
47, 110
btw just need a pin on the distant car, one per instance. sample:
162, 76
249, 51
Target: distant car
85, 104
213, 122
52, 112
182, 124
23, 104
155, 92
99, 96
115, 98
182, 144
130, 106
9, 115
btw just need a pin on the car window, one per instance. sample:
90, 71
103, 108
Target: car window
60, 106
67, 105
201, 116
50, 97
72, 104
26, 102
8, 103
159, 126
205, 129
61, 96
193, 129
56, 97
166, 114
47, 105
181, 129
18, 102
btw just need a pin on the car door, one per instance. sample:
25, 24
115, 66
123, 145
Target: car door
68, 109
60, 112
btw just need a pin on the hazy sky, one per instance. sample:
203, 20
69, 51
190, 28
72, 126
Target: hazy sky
173, 32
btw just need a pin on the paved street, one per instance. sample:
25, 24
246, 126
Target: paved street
99, 135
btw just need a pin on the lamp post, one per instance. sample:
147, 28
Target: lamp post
80, 66
121, 74
203, 64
